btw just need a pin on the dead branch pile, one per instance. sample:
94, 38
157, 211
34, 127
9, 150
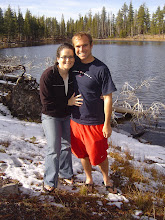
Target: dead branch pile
128, 102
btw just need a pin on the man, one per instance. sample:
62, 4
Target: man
90, 124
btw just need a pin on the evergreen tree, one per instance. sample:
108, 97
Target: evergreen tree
130, 20
124, 12
164, 19
103, 23
153, 27
94, 27
160, 21
9, 24
119, 24
141, 19
1, 23
15, 36
135, 23
70, 28
34, 28
147, 20
20, 22
96, 23
85, 23
62, 27
89, 22
41, 27
113, 24
80, 26
55, 28
27, 25
48, 27
109, 26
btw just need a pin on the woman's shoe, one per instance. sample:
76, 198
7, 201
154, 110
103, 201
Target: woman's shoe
70, 181
48, 188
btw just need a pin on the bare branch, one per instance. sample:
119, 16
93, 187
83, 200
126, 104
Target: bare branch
128, 102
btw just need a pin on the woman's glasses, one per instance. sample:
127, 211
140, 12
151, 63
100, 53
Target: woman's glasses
65, 57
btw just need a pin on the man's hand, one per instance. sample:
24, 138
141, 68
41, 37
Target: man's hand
107, 131
75, 100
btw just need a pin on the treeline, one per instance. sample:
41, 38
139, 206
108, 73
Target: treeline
127, 22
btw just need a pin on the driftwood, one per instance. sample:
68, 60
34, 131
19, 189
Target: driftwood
123, 110
11, 78
128, 102
4, 69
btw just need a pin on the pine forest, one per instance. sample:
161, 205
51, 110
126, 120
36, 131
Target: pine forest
128, 22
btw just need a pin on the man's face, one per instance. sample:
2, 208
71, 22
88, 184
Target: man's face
83, 49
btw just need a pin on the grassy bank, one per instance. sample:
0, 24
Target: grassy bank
141, 38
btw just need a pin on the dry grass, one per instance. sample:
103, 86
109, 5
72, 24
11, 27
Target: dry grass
64, 205
123, 166
137, 187
5, 143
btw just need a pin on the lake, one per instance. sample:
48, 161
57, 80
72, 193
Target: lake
131, 62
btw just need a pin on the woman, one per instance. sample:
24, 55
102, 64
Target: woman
57, 97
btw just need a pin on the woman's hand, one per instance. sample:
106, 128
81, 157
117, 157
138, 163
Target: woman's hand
75, 100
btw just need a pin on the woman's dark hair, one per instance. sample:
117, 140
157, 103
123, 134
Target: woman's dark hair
61, 47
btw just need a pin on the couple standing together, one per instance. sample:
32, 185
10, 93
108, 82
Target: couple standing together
82, 86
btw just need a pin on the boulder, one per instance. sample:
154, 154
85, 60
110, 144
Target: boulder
9, 189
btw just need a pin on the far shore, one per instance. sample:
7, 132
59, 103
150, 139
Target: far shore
141, 37
138, 38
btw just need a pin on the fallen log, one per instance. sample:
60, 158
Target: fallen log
127, 111
7, 77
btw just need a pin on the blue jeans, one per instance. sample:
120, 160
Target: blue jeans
58, 160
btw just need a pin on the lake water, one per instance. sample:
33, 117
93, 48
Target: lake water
131, 62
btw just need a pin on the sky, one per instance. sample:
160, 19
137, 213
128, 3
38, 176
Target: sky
72, 8
23, 159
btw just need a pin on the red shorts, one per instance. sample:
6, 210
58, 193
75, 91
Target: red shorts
88, 141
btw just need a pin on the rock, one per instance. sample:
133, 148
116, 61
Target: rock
16, 162
9, 189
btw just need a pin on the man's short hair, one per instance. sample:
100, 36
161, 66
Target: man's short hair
80, 35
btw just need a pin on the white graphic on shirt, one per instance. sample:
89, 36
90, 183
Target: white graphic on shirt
82, 73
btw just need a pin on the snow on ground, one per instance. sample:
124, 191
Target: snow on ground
22, 151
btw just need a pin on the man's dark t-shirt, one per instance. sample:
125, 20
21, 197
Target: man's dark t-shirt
91, 81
